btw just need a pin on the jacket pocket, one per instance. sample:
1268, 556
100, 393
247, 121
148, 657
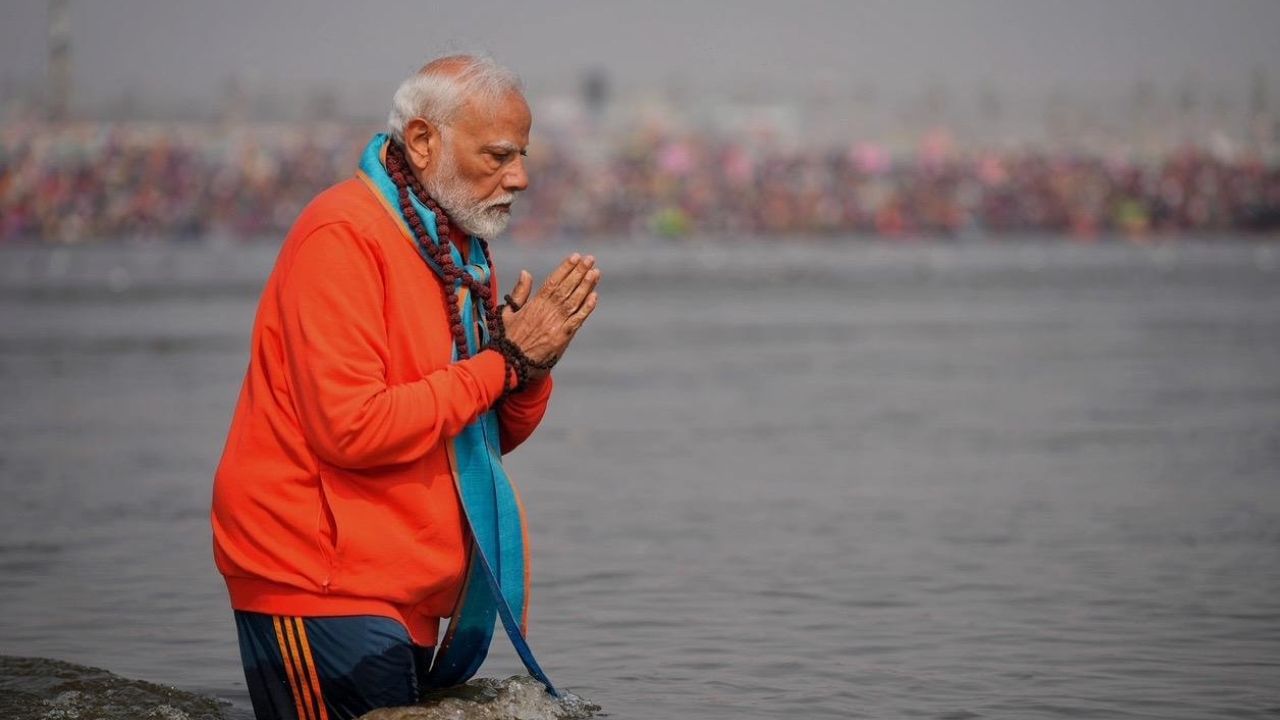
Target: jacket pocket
328, 535
387, 534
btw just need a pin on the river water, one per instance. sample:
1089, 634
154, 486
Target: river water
1013, 480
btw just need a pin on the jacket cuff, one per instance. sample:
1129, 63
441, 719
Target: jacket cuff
491, 368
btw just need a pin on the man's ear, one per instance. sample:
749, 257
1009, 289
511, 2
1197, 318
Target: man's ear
421, 143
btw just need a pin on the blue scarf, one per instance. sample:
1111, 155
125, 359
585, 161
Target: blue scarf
497, 583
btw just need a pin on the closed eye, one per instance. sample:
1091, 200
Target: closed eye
505, 155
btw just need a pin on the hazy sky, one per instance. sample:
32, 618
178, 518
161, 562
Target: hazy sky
185, 50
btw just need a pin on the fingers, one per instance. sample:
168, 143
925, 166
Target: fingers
573, 279
524, 285
564, 288
580, 316
561, 272
589, 281
545, 325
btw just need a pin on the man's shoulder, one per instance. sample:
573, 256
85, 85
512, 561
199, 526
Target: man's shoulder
344, 223
349, 201
349, 210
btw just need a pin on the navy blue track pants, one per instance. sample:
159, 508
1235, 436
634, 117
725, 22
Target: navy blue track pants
328, 668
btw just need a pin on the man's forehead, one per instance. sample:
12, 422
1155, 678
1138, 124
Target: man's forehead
501, 120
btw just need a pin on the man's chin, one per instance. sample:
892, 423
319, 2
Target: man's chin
490, 227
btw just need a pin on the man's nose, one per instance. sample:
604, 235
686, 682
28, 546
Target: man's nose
515, 179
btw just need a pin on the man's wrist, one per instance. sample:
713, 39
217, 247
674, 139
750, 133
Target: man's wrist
515, 364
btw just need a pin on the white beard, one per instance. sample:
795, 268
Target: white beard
482, 219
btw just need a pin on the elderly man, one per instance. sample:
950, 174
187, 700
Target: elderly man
361, 497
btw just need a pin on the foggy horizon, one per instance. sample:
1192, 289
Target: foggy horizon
184, 56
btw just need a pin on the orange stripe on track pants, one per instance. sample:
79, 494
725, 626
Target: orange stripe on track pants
327, 668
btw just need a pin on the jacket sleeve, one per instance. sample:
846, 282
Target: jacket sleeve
335, 342
520, 413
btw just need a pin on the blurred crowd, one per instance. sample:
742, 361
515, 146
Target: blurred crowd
101, 181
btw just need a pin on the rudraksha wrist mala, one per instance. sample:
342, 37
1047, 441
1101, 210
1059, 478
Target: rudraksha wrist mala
517, 361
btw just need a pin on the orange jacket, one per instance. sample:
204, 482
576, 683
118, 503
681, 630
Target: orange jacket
334, 495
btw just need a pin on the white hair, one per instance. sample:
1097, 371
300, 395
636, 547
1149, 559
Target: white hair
438, 90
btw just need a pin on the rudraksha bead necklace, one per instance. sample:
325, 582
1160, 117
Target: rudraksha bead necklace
406, 182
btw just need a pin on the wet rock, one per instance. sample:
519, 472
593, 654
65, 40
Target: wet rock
42, 689
517, 698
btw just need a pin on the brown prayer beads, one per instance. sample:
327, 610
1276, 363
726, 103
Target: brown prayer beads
517, 363
406, 182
